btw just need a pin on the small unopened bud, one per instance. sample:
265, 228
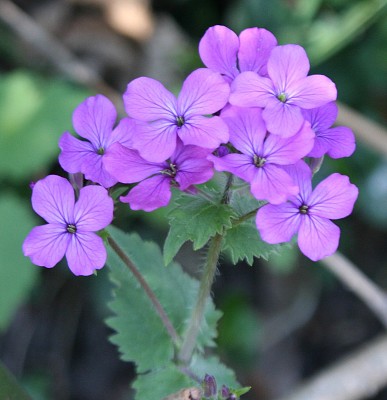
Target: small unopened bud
225, 392
209, 386
222, 151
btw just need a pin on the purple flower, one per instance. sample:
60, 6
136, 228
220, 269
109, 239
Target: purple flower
309, 213
93, 120
71, 225
285, 92
337, 142
187, 166
203, 93
223, 51
262, 156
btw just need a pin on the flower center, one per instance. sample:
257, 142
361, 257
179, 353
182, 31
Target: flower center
259, 161
304, 209
101, 151
180, 121
71, 228
282, 97
171, 171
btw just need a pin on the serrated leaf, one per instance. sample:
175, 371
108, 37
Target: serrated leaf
141, 336
195, 219
17, 274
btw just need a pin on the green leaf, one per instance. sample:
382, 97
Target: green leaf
242, 241
141, 336
9, 387
195, 219
33, 114
17, 274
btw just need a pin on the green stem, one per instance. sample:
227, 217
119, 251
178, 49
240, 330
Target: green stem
149, 292
247, 216
210, 267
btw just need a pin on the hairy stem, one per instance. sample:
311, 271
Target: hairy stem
149, 292
210, 267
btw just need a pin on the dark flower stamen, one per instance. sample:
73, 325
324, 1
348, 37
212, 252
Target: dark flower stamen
259, 161
101, 151
180, 121
71, 228
304, 209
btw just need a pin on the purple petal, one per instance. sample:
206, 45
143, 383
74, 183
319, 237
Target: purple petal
149, 194
254, 49
155, 141
46, 244
94, 119
93, 210
124, 132
284, 151
273, 184
340, 141
286, 65
318, 237
73, 152
313, 91
94, 170
283, 119
204, 132
240, 165
321, 118
218, 50
53, 199
334, 197
85, 253
128, 166
148, 100
247, 128
251, 90
204, 92
302, 177
278, 223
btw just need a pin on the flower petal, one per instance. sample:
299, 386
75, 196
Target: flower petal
278, 223
255, 47
94, 119
318, 237
204, 132
273, 184
204, 92
247, 128
321, 118
342, 142
124, 132
148, 100
128, 166
73, 152
334, 197
218, 50
286, 65
93, 210
46, 244
53, 199
149, 194
94, 170
240, 165
302, 177
85, 253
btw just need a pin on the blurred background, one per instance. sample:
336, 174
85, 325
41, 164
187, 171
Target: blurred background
284, 320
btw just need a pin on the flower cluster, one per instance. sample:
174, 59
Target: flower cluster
253, 111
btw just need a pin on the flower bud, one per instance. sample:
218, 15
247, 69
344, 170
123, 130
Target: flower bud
209, 386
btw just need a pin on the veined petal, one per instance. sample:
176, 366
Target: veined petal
302, 177
284, 151
318, 237
278, 223
251, 90
155, 141
94, 119
240, 165
93, 168
46, 244
321, 118
85, 253
149, 194
204, 92
333, 198
128, 166
247, 128
124, 132
93, 210
312, 91
254, 49
286, 65
340, 140
204, 132
283, 119
73, 152
273, 184
53, 199
218, 50
148, 100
